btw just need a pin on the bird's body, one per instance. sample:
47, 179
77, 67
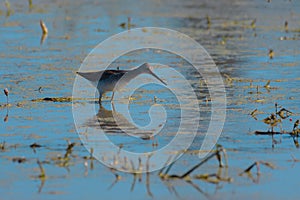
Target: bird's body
272, 121
112, 80
269, 120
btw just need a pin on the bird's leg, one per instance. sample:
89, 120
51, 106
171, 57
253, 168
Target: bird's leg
100, 97
113, 107
112, 97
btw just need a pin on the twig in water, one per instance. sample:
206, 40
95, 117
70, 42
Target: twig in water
43, 27
148, 176
2, 146
294, 158
198, 189
165, 175
6, 92
44, 32
42, 170
30, 4
257, 164
201, 163
160, 173
253, 114
9, 11
117, 176
133, 182
271, 54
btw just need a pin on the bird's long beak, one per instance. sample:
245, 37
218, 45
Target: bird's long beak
152, 73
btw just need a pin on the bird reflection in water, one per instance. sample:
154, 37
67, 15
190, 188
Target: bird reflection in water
113, 122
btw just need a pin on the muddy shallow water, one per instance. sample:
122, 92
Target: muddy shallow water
237, 42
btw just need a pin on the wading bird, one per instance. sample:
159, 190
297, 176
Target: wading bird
112, 80
284, 113
269, 119
272, 121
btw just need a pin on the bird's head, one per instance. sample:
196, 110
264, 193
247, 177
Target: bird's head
146, 68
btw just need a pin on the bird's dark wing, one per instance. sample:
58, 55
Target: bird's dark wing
108, 73
101, 75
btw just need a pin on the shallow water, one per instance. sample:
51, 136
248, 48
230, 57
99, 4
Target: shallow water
75, 27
